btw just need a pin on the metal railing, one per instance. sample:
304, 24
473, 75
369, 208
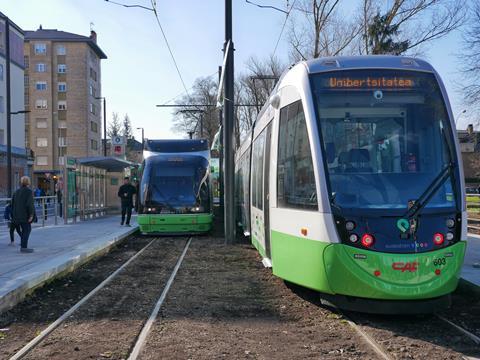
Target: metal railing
47, 209
473, 210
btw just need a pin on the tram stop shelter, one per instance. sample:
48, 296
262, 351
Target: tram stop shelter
91, 185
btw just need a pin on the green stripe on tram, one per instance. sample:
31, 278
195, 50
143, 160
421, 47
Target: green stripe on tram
347, 270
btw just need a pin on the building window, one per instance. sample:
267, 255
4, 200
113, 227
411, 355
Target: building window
62, 105
42, 123
92, 108
62, 141
62, 87
92, 91
2, 108
40, 67
93, 74
93, 126
61, 160
41, 85
94, 144
26, 81
40, 48
1, 72
26, 62
62, 124
42, 142
41, 160
40, 104
62, 68
295, 176
2, 137
61, 50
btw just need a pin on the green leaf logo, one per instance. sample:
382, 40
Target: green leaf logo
402, 225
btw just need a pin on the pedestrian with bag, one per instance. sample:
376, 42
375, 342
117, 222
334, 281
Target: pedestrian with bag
7, 215
23, 212
125, 193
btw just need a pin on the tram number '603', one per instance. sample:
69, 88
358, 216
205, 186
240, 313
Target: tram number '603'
440, 261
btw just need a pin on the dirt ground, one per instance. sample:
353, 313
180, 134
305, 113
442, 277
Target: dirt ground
48, 303
225, 304
222, 304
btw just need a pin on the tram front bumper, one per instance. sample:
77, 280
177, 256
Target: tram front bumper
174, 223
368, 274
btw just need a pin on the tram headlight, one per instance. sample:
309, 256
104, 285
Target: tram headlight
197, 209
449, 236
450, 223
349, 225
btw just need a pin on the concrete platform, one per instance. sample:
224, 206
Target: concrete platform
58, 249
471, 266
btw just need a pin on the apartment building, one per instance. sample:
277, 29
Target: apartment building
63, 89
19, 158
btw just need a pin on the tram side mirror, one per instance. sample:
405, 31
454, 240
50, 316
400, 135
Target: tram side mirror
330, 150
275, 101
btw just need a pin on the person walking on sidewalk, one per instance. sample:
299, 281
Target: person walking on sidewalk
23, 211
126, 193
7, 215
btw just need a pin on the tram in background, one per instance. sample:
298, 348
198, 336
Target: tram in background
174, 193
351, 183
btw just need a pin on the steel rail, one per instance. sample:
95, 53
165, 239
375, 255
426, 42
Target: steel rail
465, 332
139, 344
36, 340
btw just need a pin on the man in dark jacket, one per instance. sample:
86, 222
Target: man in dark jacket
126, 193
23, 211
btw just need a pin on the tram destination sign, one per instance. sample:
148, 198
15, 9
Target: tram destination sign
368, 82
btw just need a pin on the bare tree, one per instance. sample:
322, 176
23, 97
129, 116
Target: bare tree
470, 59
317, 29
253, 89
203, 115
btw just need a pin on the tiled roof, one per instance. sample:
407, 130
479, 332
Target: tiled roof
56, 35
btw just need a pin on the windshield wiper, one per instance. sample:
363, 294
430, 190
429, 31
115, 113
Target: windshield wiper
430, 191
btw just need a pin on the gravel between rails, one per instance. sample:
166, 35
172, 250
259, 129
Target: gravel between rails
108, 324
416, 337
49, 302
224, 304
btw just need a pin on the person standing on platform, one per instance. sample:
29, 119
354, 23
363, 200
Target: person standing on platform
125, 193
7, 215
23, 212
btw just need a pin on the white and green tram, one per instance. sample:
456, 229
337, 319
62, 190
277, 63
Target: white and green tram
350, 183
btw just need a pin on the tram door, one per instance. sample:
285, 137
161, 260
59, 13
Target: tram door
266, 190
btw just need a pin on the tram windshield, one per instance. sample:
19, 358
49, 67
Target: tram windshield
175, 184
386, 137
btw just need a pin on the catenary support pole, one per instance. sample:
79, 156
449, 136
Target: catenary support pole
104, 127
220, 151
9, 107
228, 129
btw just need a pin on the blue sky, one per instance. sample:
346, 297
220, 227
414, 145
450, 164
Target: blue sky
139, 72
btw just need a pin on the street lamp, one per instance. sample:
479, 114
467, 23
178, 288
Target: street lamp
104, 124
9, 148
143, 136
459, 115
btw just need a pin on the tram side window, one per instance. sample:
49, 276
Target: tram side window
295, 176
257, 174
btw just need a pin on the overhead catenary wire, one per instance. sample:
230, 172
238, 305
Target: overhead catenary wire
283, 28
154, 6
154, 10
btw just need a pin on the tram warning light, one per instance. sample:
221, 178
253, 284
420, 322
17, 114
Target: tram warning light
438, 239
367, 240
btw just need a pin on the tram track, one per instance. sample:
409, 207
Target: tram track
414, 337
124, 295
